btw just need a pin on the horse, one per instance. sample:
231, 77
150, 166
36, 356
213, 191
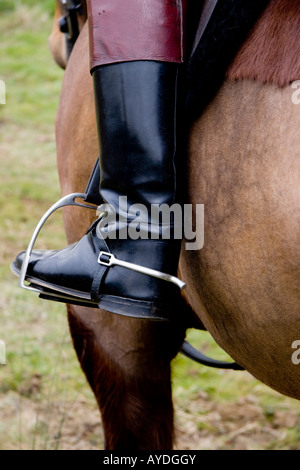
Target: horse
243, 286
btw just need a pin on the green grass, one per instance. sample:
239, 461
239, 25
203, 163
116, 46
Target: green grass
45, 402
32, 86
7, 5
42, 371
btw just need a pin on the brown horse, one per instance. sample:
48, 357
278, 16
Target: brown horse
243, 165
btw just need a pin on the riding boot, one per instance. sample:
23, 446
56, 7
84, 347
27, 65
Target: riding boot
127, 262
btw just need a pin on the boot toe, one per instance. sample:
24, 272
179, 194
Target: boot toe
19, 261
35, 255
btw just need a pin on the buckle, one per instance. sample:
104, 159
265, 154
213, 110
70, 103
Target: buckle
109, 261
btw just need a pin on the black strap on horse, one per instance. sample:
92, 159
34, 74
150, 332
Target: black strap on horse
68, 23
190, 352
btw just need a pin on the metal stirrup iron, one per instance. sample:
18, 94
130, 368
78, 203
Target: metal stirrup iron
68, 200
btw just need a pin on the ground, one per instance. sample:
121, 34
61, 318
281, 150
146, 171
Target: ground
200, 424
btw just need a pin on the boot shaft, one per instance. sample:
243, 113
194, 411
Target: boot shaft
136, 111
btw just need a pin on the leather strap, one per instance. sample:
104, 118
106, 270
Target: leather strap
208, 9
92, 194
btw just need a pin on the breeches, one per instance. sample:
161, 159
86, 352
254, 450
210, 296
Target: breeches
130, 30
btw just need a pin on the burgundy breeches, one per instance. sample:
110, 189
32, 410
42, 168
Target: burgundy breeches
128, 30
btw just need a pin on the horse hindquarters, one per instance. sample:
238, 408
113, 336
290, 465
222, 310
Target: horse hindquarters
244, 166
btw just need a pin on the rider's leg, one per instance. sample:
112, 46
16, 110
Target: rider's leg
136, 51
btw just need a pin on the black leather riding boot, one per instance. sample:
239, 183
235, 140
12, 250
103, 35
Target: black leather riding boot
127, 262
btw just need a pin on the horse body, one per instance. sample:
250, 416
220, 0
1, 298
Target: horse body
243, 165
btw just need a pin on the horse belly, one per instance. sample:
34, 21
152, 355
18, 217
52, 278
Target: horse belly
244, 166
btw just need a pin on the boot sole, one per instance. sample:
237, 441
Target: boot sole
115, 304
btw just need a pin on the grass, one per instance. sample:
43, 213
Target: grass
45, 402
42, 371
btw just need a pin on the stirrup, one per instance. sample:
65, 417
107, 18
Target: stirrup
68, 200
